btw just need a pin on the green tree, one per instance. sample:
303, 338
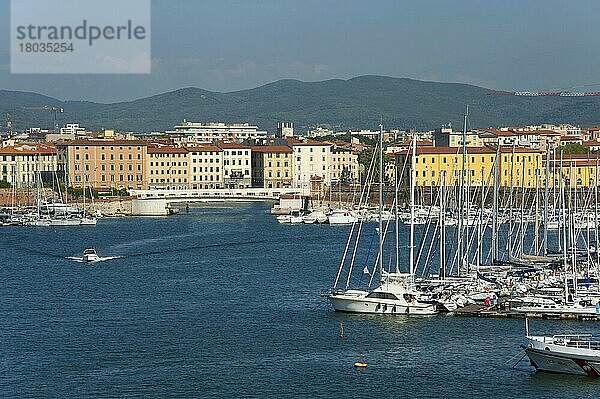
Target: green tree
573, 148
364, 160
4, 184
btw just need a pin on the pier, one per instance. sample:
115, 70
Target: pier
500, 311
158, 202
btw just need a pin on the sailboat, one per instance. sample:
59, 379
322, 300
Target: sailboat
396, 292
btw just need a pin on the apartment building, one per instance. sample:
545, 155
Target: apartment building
237, 168
20, 163
104, 164
206, 166
212, 132
343, 164
167, 167
272, 166
311, 162
436, 166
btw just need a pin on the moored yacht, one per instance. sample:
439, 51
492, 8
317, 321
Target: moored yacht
342, 216
395, 296
567, 354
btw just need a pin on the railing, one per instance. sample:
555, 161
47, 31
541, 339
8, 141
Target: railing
579, 341
182, 195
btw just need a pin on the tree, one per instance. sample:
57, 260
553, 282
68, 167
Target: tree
364, 159
4, 184
573, 148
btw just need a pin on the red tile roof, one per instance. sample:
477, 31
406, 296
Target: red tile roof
232, 145
89, 142
271, 148
28, 149
167, 150
203, 148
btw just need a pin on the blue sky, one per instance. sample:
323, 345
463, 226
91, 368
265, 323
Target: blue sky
233, 45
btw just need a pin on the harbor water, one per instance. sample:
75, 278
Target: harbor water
224, 302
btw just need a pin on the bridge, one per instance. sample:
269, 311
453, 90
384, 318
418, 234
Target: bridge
158, 202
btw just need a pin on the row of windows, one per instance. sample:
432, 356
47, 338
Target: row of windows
285, 164
205, 169
112, 177
323, 149
111, 148
167, 172
112, 157
207, 178
277, 154
168, 181
167, 155
112, 167
210, 160
169, 163
226, 162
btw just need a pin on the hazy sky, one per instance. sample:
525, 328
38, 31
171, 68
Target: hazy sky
231, 45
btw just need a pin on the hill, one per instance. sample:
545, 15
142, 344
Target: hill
360, 102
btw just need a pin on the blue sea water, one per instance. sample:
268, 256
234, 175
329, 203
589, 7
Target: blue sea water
224, 302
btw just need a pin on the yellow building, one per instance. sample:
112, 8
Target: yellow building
104, 164
521, 167
443, 165
582, 170
343, 164
167, 167
272, 166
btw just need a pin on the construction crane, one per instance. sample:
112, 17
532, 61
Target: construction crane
564, 92
54, 111
545, 93
8, 125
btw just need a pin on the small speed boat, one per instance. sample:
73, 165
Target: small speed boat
360, 365
90, 255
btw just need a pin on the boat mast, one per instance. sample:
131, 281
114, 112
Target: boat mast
596, 220
564, 230
495, 206
462, 196
546, 195
441, 225
412, 207
396, 222
380, 235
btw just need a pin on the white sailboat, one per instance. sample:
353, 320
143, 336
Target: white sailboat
395, 292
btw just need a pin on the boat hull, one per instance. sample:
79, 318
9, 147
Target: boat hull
352, 304
545, 360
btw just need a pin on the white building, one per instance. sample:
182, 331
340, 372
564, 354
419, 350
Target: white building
285, 130
311, 162
206, 166
20, 163
211, 132
237, 161
73, 129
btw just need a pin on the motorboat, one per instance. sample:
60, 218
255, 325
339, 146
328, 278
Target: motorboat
88, 221
315, 217
342, 216
396, 296
577, 354
294, 217
90, 255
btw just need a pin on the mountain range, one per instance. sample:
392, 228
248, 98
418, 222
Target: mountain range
357, 103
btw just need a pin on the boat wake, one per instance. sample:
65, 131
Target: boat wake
100, 259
